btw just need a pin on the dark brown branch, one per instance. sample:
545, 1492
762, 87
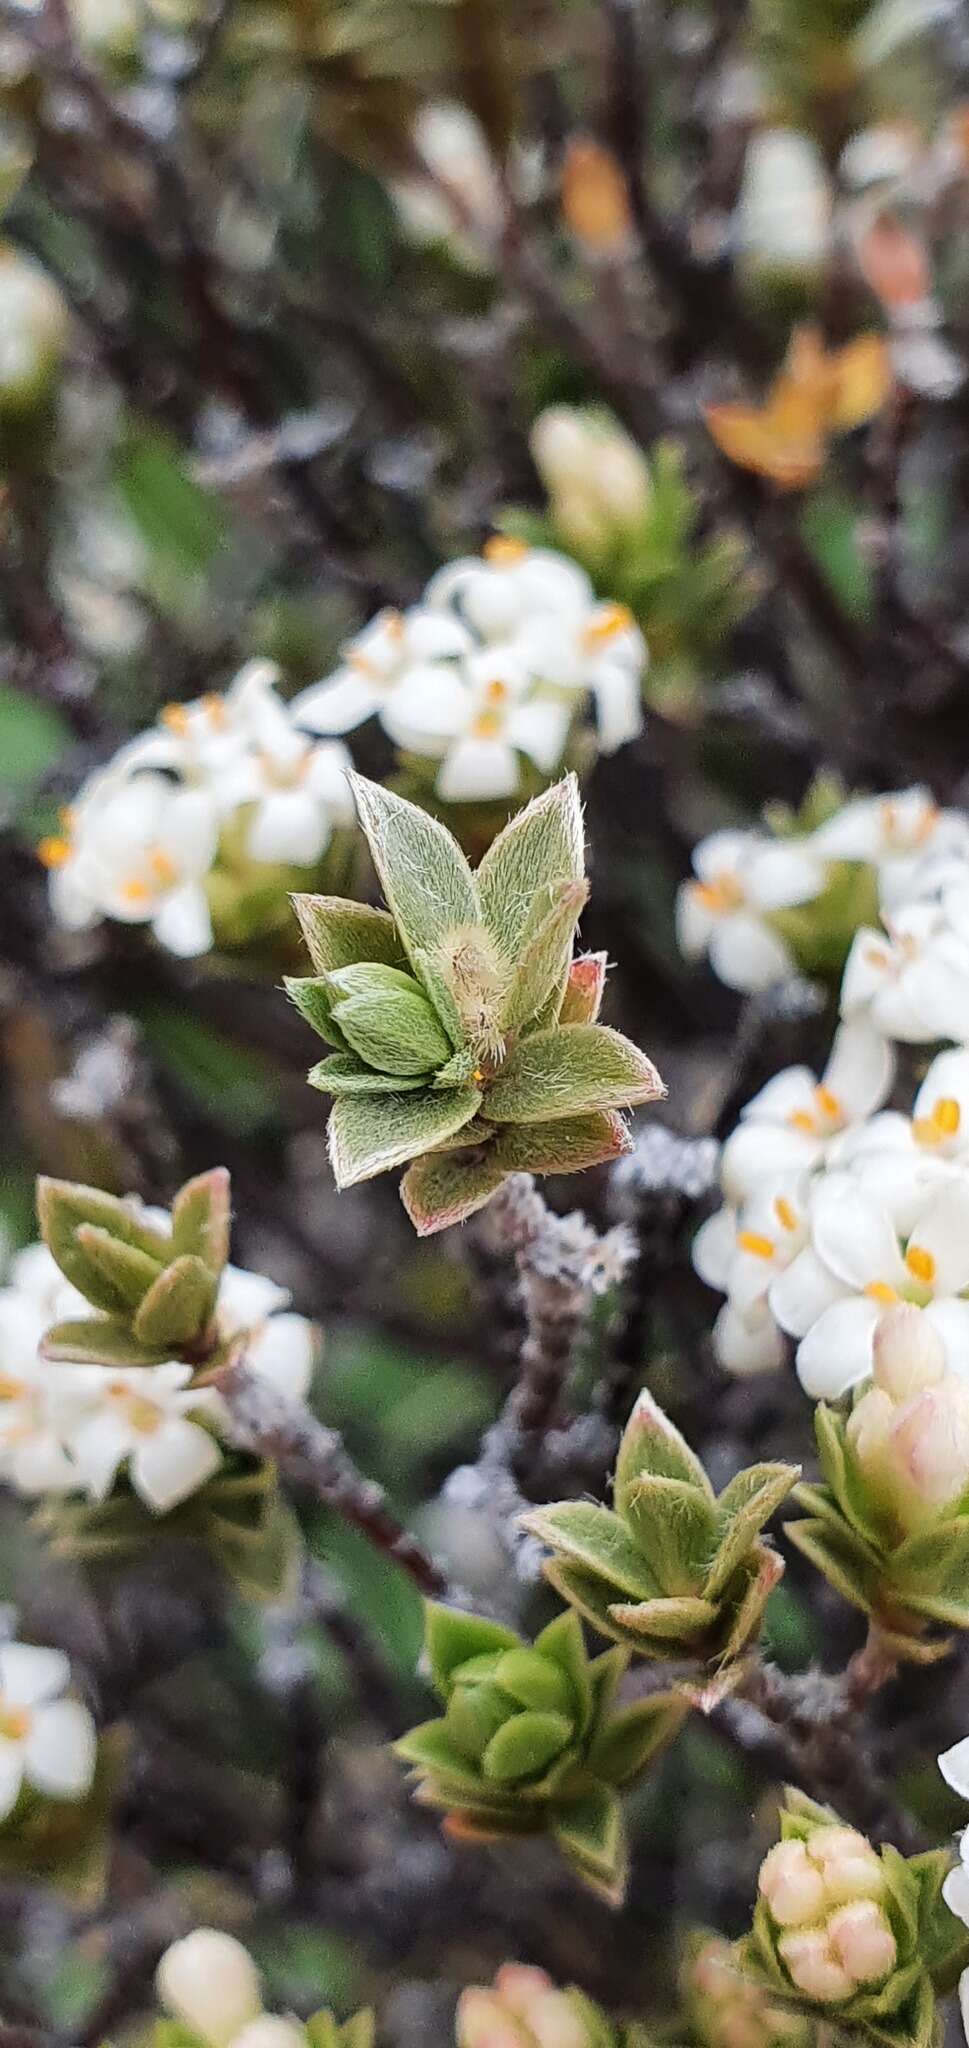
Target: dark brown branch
315, 1460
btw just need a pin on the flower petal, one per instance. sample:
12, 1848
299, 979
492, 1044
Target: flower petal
289, 825
744, 1349
860, 1070
746, 954
854, 1235
954, 1765
11, 1775
475, 770
60, 1751
30, 1673
713, 1248
283, 1351
942, 1234
182, 923
836, 1353
780, 876
173, 1462
343, 701
803, 1292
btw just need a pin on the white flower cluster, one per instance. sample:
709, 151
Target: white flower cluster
834, 1207
47, 1743
72, 1428
912, 976
495, 661
143, 833
954, 1765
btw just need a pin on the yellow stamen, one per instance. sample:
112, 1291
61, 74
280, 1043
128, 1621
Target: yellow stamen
879, 1290
503, 549
827, 1102
758, 1247
53, 851
496, 691
135, 891
487, 725
162, 866
213, 706
920, 1264
785, 1213
66, 818
175, 716
10, 1389
609, 620
392, 623
478, 1076
874, 957
14, 1723
802, 1120
721, 894
942, 1122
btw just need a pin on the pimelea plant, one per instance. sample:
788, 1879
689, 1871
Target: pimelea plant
467, 1046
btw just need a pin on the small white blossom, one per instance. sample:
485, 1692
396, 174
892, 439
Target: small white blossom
912, 980
793, 1122
783, 216
138, 850
832, 1295
894, 834
740, 878
38, 1403
418, 648
144, 1419
47, 1742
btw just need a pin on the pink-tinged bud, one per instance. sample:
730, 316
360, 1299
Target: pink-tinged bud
792, 1885
863, 1941
518, 1986
715, 1973
869, 1432
813, 1968
524, 2010
583, 994
850, 1867
483, 2022
930, 1450
908, 1354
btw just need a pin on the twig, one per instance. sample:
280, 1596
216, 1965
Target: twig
316, 1460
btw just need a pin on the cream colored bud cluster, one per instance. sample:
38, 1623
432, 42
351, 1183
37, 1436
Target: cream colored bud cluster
210, 1983
729, 2008
910, 1431
825, 1897
597, 480
522, 2009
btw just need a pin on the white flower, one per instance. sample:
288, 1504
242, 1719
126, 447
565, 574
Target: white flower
479, 724
38, 1402
142, 1419
46, 1742
741, 878
894, 833
279, 1344
834, 1292
139, 851
299, 791
596, 477
740, 1252
792, 1123
913, 980
418, 646
541, 607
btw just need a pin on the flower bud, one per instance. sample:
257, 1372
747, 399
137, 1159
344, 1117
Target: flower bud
869, 1433
863, 1941
783, 217
851, 1868
210, 1983
621, 479
561, 444
813, 1968
595, 199
791, 1884
929, 1450
908, 1352
525, 2010
33, 330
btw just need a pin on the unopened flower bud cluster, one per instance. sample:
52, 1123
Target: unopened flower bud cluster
825, 1899
69, 1429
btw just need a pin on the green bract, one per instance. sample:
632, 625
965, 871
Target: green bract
901, 1895
905, 1586
673, 1571
465, 1034
531, 1741
155, 1289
